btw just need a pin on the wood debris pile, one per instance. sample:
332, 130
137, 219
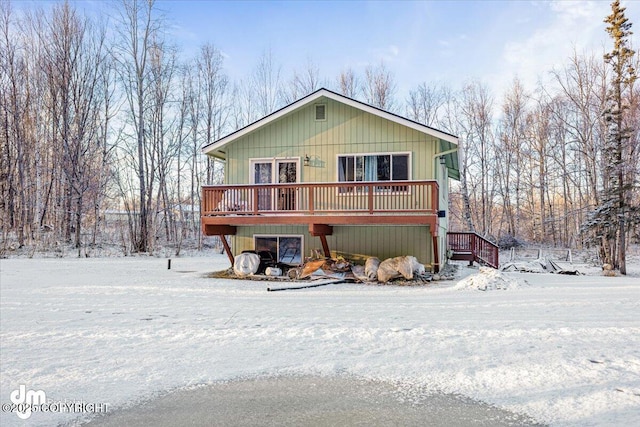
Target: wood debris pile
404, 270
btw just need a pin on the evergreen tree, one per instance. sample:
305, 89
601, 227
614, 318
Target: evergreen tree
616, 213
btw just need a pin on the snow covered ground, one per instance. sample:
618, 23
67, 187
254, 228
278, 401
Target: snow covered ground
562, 349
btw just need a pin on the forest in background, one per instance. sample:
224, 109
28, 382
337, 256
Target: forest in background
102, 123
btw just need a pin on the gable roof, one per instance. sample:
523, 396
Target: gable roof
448, 140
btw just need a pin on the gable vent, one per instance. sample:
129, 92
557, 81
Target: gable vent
321, 112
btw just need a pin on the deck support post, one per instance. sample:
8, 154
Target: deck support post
436, 255
227, 248
221, 231
322, 231
325, 246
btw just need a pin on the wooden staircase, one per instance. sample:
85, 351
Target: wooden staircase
472, 247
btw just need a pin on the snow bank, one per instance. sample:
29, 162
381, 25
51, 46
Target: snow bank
489, 279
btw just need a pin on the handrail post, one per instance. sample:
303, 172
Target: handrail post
255, 200
434, 197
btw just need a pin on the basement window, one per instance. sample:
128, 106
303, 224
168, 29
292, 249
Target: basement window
285, 249
321, 112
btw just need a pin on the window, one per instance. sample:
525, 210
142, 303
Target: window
374, 167
285, 249
321, 112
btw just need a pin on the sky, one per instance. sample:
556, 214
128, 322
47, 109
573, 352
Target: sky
435, 42
425, 41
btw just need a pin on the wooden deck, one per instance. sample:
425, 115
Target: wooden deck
363, 203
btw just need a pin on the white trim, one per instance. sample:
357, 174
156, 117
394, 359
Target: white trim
310, 99
386, 153
278, 236
315, 111
274, 164
391, 182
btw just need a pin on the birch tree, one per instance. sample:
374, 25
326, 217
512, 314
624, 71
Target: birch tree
425, 104
509, 151
379, 87
72, 61
266, 84
348, 83
302, 83
476, 119
136, 30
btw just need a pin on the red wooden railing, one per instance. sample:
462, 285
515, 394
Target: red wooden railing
470, 246
389, 197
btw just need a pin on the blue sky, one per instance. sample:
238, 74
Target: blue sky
424, 41
432, 41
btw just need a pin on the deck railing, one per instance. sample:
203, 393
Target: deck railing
361, 198
472, 247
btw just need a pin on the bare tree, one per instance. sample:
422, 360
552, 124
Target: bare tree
214, 101
425, 103
460, 198
348, 83
13, 109
476, 119
137, 29
379, 87
266, 84
72, 59
162, 142
302, 83
509, 162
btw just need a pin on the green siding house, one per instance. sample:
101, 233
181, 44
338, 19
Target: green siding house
333, 174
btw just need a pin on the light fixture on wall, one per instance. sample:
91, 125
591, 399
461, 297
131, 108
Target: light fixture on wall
307, 159
443, 160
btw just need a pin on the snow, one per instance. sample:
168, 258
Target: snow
562, 349
489, 279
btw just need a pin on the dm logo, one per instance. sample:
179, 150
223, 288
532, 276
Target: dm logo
25, 399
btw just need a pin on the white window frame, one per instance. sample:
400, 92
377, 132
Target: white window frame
278, 236
274, 163
274, 174
315, 111
390, 153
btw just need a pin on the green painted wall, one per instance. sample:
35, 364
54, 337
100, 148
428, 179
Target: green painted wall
347, 130
357, 242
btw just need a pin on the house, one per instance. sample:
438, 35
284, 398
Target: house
331, 172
